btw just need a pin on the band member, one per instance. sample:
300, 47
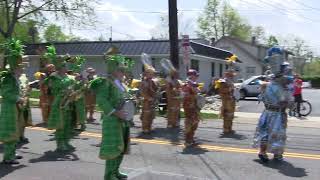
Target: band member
270, 134
148, 89
90, 96
79, 103
24, 110
11, 98
173, 93
61, 115
46, 97
190, 90
74, 65
110, 94
226, 92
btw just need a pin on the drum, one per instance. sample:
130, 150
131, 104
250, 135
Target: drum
201, 101
128, 107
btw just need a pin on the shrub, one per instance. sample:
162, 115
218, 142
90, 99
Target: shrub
315, 80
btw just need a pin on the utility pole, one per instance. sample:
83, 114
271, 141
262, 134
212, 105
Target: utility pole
173, 33
110, 39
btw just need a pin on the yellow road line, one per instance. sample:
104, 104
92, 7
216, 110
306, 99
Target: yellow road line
207, 147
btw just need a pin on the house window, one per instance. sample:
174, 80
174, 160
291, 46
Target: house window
251, 70
227, 66
195, 64
220, 70
213, 66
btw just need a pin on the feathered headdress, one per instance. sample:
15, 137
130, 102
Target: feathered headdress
53, 58
145, 59
75, 64
232, 62
14, 50
116, 62
168, 66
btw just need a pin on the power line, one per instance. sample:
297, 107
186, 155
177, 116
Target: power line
305, 5
286, 11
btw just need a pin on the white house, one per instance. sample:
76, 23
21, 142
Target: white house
250, 53
209, 61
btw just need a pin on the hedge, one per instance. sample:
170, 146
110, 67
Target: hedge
315, 80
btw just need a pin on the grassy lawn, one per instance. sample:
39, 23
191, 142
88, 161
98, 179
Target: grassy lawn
202, 115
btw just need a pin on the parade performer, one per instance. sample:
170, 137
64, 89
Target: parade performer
60, 116
110, 95
226, 90
190, 90
90, 96
270, 134
24, 110
46, 97
10, 92
148, 89
173, 92
74, 65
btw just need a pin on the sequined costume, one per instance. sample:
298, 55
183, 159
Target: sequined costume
173, 92
228, 104
192, 112
148, 92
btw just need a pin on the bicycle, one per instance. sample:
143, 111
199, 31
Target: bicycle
305, 109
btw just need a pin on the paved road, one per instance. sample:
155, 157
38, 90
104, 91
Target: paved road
313, 95
161, 155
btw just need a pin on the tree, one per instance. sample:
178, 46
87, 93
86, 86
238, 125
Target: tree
259, 33
272, 40
161, 30
27, 32
300, 49
312, 68
53, 33
14, 11
208, 22
220, 20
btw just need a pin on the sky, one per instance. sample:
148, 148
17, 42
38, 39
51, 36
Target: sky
136, 19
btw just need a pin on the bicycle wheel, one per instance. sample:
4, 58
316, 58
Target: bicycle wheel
305, 108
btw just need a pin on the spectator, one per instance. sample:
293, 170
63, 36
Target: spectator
297, 93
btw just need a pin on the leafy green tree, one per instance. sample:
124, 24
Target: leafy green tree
312, 68
53, 33
272, 40
220, 19
76, 12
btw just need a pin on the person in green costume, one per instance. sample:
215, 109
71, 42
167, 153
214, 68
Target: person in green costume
61, 86
10, 92
110, 94
74, 65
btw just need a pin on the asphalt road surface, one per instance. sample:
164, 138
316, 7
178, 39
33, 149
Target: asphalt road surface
161, 155
312, 95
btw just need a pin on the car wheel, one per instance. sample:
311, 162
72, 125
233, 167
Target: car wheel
242, 94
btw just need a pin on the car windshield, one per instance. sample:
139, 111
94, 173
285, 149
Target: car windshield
250, 79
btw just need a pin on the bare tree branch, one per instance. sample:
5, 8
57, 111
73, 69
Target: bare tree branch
35, 10
17, 5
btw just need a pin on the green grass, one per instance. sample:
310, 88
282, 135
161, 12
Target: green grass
202, 115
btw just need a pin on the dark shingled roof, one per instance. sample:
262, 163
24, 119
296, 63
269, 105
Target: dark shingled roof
135, 47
